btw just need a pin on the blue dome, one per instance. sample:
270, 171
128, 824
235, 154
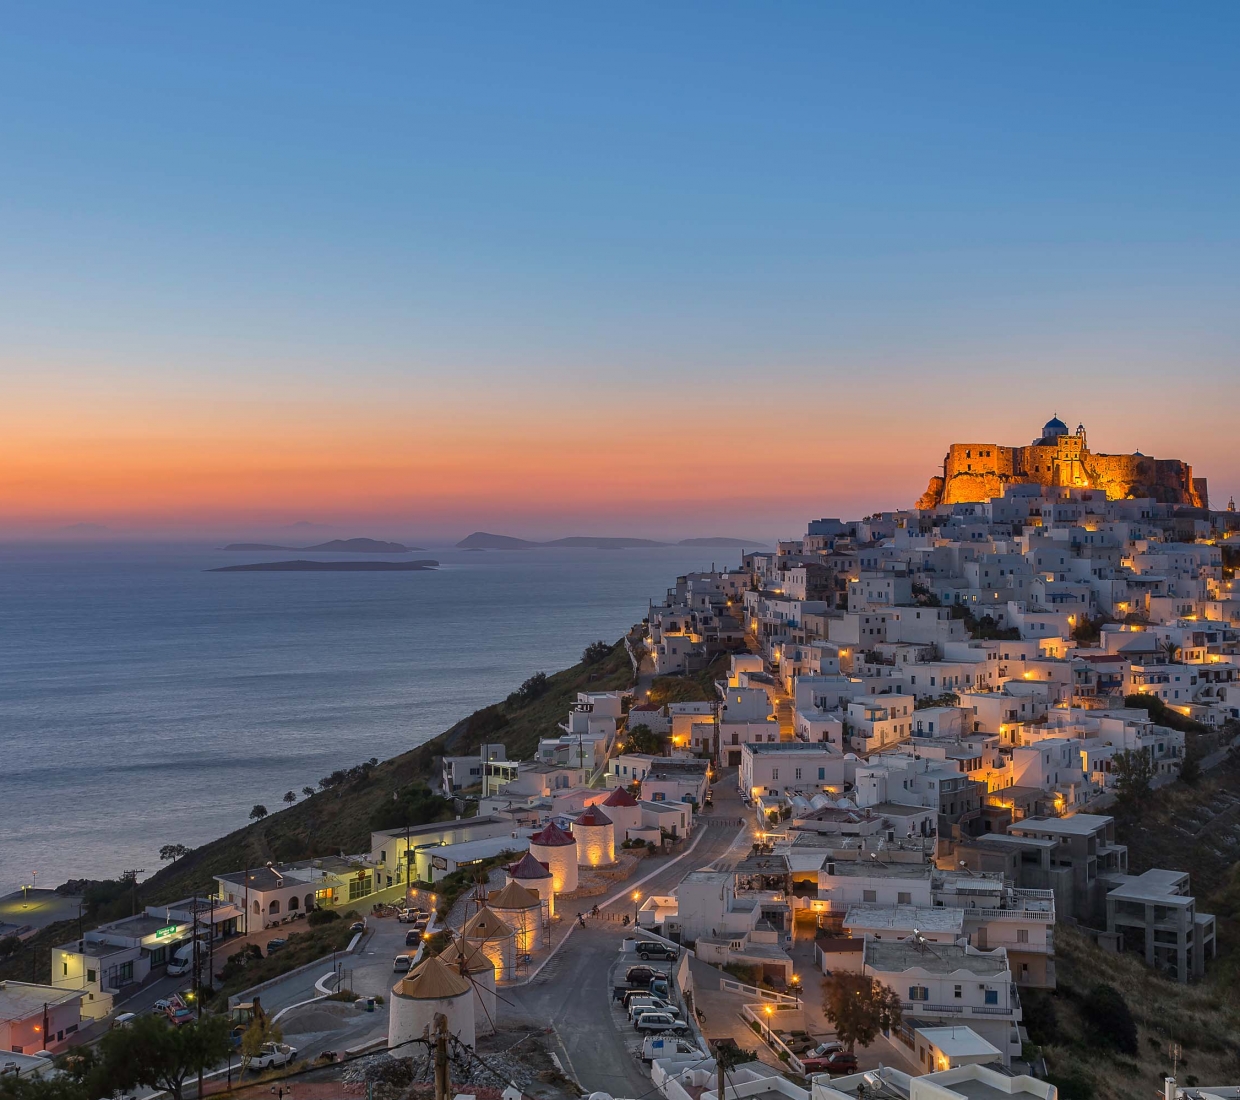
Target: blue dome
1054, 428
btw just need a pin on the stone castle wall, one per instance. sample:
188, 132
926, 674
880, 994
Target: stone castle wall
975, 472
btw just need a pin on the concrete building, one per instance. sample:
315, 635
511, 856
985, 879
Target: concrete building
1157, 917
35, 1018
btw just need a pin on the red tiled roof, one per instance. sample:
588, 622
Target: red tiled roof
528, 867
593, 816
552, 836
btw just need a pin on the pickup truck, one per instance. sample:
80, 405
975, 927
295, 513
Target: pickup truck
272, 1056
656, 988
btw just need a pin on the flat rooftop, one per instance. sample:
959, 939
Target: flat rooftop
1076, 825
21, 1000
895, 956
785, 747
905, 918
958, 1041
873, 868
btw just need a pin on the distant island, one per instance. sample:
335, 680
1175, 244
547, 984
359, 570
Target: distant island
484, 540
336, 546
720, 540
304, 566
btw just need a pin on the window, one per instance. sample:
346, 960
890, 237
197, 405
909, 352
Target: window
918, 993
124, 972
798, 774
1022, 935
822, 773
869, 895
92, 975
992, 996
65, 968
958, 992
774, 774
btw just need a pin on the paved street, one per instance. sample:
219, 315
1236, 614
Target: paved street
572, 994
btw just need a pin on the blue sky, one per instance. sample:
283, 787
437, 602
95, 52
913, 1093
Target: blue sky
892, 210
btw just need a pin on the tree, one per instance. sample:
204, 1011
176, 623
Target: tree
308, 792
289, 798
1133, 771
1190, 769
258, 813
642, 738
595, 652
1170, 650
533, 688
1109, 1020
859, 1008
9, 945
154, 1054
320, 917
260, 1031
173, 851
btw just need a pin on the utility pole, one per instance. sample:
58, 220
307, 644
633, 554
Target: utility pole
441, 1056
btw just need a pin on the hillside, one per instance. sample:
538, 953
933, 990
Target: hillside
339, 818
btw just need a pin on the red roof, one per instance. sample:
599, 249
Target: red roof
619, 797
552, 836
593, 816
528, 867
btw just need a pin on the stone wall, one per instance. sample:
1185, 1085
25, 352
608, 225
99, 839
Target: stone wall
974, 472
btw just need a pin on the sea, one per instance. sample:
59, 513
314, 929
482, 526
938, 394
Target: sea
145, 700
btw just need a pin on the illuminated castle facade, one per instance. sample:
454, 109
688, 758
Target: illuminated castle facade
1057, 458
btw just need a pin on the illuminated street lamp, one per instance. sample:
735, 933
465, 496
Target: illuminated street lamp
637, 896
796, 986
769, 1012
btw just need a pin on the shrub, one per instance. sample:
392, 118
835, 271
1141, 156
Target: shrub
320, 917
1073, 1085
595, 652
1109, 1019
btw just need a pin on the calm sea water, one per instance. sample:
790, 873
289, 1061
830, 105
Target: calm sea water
144, 701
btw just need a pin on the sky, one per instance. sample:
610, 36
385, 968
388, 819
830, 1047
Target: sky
640, 269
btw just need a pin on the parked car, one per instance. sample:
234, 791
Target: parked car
408, 916
357, 926
273, 1055
823, 1049
655, 989
798, 1044
160, 1007
643, 975
638, 1005
179, 1015
413, 937
653, 949
125, 1019
274, 945
660, 1021
837, 1062
401, 964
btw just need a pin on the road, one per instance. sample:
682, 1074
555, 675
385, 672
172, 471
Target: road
572, 994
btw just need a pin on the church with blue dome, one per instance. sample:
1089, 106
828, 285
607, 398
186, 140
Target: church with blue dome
1060, 458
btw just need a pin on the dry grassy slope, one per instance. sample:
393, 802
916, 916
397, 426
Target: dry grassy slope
339, 820
1197, 1016
1196, 828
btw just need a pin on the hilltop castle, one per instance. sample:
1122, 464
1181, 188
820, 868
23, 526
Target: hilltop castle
979, 471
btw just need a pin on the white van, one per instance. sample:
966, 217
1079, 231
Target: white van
125, 1019
182, 961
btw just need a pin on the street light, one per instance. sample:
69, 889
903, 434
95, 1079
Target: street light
769, 1012
796, 986
637, 896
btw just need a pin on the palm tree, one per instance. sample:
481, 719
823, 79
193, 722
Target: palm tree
1171, 650
258, 813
